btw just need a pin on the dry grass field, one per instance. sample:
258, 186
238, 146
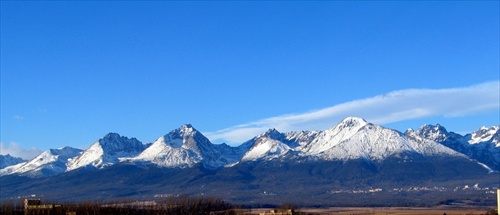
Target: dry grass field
384, 211
398, 211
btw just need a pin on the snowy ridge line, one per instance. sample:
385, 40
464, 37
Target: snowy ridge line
185, 147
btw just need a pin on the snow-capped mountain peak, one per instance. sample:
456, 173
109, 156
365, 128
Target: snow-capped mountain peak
271, 134
167, 152
427, 146
352, 138
106, 151
180, 137
187, 128
50, 162
183, 147
485, 134
342, 131
366, 141
113, 143
479, 145
268, 145
433, 132
352, 122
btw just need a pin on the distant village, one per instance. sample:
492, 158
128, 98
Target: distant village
475, 187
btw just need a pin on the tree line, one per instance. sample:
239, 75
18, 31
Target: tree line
180, 205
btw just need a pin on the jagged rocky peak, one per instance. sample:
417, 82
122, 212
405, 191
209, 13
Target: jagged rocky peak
433, 132
185, 136
485, 134
8, 160
409, 131
106, 151
113, 137
327, 139
265, 148
273, 134
496, 138
113, 142
187, 129
184, 147
351, 138
65, 151
50, 162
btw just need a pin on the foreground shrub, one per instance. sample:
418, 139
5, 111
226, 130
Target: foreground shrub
182, 205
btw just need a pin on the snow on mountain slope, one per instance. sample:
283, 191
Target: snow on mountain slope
231, 154
106, 151
267, 145
481, 145
50, 162
485, 134
8, 160
352, 138
10, 169
370, 142
301, 139
437, 133
327, 139
168, 154
185, 147
430, 147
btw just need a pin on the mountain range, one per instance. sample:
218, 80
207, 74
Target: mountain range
352, 154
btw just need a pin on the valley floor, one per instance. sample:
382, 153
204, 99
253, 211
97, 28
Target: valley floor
388, 211
402, 211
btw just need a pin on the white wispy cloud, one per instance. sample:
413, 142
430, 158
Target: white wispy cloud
16, 150
392, 107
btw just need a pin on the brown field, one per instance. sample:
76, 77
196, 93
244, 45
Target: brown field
398, 211
391, 211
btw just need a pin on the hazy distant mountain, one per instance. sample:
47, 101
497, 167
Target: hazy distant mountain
353, 154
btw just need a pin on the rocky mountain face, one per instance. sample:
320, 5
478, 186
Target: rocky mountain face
106, 152
481, 145
50, 162
185, 147
8, 164
353, 138
353, 153
8, 160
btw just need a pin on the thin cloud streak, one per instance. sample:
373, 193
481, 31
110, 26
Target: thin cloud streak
16, 150
392, 107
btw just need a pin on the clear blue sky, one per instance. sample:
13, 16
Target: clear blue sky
73, 71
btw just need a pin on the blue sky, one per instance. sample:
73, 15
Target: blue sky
73, 71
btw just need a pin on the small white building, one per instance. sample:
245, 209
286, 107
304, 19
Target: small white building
278, 212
